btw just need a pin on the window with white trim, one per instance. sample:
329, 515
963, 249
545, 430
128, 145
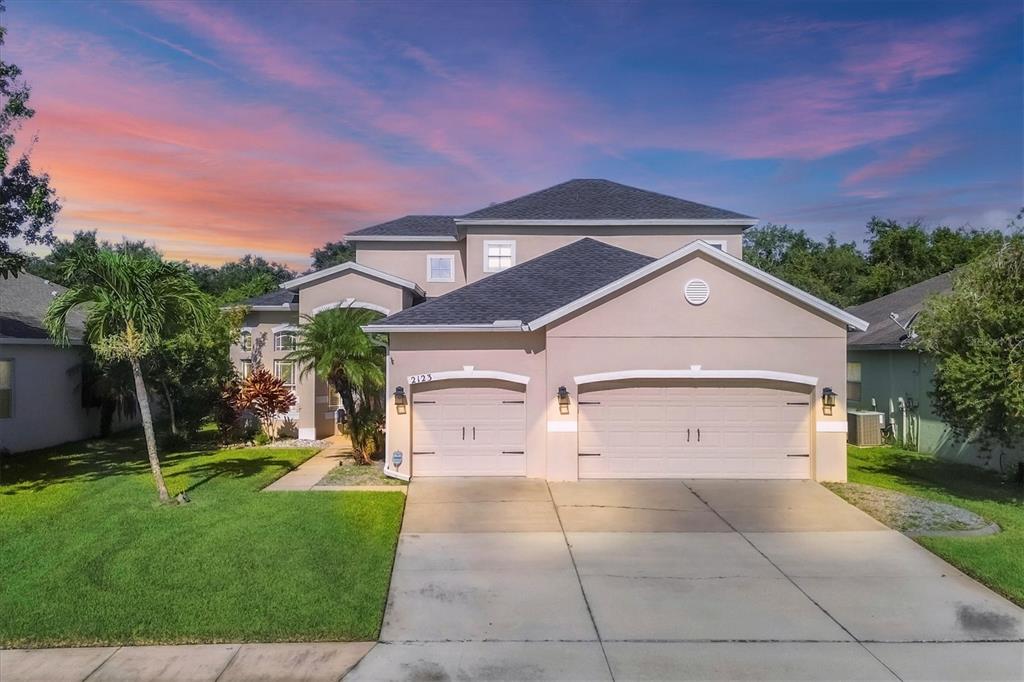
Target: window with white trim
284, 340
285, 371
441, 268
6, 389
246, 369
245, 341
499, 255
853, 382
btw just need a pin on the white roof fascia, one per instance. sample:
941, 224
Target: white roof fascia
387, 328
355, 267
717, 254
15, 341
583, 223
399, 238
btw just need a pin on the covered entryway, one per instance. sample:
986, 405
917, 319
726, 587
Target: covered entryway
469, 428
652, 429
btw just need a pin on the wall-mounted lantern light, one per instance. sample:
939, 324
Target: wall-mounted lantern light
828, 400
401, 402
563, 400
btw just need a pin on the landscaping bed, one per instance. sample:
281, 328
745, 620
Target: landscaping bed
348, 473
994, 559
89, 557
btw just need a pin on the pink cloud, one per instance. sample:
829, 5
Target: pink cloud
865, 181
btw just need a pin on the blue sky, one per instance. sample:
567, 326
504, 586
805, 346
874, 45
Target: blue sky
217, 129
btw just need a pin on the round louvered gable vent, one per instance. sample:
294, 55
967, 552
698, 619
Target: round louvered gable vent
696, 291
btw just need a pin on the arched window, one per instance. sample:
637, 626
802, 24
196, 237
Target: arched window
284, 340
245, 341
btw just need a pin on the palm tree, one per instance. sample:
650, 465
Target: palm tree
132, 300
334, 346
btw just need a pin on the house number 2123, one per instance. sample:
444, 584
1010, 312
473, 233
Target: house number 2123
419, 378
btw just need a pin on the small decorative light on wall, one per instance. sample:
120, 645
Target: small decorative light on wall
401, 402
828, 400
563, 400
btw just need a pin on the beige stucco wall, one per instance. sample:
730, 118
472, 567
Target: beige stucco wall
655, 241
409, 260
47, 399
649, 326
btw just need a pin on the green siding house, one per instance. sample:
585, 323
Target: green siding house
884, 374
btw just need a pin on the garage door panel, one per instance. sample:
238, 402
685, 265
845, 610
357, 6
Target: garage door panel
469, 431
744, 433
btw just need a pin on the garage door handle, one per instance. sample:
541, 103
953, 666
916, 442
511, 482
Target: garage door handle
474, 433
463, 433
698, 435
687, 435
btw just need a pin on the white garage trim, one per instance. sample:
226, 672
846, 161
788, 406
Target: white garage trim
350, 303
696, 373
468, 373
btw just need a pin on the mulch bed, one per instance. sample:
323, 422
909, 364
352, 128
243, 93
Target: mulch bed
913, 515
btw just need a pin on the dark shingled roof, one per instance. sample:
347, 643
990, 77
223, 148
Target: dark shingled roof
528, 290
599, 200
411, 226
279, 297
23, 303
883, 332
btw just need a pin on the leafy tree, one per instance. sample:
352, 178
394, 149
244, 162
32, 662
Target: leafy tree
246, 277
132, 300
265, 396
192, 367
28, 205
828, 270
976, 335
903, 255
334, 346
332, 253
51, 266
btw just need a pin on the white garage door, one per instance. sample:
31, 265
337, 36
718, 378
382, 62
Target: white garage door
687, 432
469, 431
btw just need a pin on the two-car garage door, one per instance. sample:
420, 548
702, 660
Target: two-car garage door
693, 432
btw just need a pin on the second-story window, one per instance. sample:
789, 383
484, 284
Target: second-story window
499, 255
284, 340
440, 268
246, 369
245, 341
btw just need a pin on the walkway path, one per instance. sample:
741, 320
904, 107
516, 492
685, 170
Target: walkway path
310, 472
311, 662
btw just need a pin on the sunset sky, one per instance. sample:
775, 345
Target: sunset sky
219, 129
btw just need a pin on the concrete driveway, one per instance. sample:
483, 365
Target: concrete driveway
517, 579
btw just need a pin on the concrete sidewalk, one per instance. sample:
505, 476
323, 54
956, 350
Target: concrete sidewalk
311, 662
312, 471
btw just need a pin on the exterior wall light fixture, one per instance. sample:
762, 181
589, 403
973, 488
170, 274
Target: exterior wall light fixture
563, 400
828, 400
401, 402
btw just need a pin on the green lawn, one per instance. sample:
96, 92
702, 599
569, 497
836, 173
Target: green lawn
996, 560
87, 556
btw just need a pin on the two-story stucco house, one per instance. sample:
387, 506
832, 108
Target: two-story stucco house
588, 330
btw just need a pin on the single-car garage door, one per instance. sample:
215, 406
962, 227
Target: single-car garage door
693, 432
469, 430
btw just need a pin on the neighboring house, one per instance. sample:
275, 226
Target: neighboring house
887, 375
41, 399
588, 330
